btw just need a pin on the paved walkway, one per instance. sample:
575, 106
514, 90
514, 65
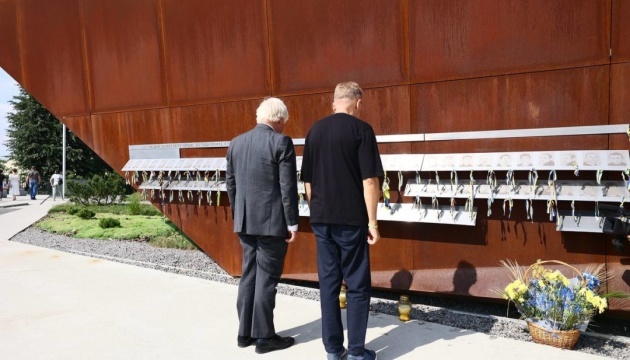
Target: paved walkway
56, 305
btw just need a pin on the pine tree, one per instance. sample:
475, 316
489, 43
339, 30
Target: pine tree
35, 139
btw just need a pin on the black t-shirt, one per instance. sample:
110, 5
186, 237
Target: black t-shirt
339, 153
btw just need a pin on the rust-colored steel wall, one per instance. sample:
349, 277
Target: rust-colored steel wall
121, 73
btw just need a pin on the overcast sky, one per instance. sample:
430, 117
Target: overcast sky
8, 88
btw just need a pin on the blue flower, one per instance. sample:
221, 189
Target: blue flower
592, 282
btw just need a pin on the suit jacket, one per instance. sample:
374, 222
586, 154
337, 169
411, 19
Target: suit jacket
262, 182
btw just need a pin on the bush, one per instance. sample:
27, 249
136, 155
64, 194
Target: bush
73, 210
97, 190
134, 204
107, 223
61, 208
149, 210
85, 214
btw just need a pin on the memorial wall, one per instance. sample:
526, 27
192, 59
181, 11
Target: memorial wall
503, 124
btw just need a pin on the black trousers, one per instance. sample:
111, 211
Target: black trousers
343, 253
263, 260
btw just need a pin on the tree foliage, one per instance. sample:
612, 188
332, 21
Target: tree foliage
35, 139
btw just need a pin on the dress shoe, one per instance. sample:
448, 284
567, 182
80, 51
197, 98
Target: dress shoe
274, 343
245, 341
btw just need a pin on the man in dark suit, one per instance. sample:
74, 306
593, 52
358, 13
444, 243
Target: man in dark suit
341, 169
262, 187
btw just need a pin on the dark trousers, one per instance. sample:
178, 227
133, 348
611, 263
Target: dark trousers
263, 260
343, 253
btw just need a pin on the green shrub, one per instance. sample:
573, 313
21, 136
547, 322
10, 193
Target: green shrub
134, 204
61, 208
73, 210
107, 223
149, 210
86, 214
97, 190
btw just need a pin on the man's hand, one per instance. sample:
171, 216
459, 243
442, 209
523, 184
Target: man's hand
292, 235
373, 236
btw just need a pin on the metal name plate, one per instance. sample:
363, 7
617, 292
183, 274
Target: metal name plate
185, 164
206, 144
581, 222
527, 160
409, 213
402, 162
566, 190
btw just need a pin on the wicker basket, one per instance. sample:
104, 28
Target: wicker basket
565, 339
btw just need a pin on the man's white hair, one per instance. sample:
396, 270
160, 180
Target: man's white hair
272, 109
348, 90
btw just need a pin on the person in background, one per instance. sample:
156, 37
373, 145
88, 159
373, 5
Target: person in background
341, 169
33, 180
14, 184
262, 186
55, 184
3, 184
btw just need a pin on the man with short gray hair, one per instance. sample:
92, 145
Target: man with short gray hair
262, 186
340, 169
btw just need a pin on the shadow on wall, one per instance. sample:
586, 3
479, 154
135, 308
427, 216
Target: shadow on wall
401, 280
464, 278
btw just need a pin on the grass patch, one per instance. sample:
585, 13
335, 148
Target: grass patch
158, 231
119, 209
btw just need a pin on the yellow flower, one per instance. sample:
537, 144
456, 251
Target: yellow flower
514, 290
602, 305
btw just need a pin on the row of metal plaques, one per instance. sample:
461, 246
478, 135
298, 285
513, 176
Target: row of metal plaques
183, 178
540, 160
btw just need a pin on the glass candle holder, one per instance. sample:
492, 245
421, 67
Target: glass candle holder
404, 308
342, 296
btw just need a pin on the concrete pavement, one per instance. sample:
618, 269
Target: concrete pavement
56, 305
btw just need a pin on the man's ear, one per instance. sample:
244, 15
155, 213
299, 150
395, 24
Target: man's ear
358, 104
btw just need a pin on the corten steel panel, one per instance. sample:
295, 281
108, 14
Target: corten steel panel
124, 54
618, 262
316, 44
583, 142
440, 249
618, 266
465, 39
301, 259
571, 97
9, 46
113, 133
211, 229
109, 137
52, 55
620, 30
386, 109
216, 50
388, 257
619, 102
203, 152
148, 127
81, 126
212, 122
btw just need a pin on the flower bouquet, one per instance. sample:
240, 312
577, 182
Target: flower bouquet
556, 308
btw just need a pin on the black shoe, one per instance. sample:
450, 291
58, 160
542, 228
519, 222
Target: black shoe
275, 343
245, 341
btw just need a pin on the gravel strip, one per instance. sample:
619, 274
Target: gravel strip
467, 315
